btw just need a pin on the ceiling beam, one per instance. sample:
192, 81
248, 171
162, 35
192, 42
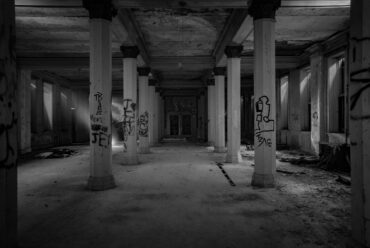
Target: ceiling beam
231, 29
128, 22
159, 63
182, 4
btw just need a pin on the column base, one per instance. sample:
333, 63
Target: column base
220, 149
234, 158
263, 180
130, 160
101, 183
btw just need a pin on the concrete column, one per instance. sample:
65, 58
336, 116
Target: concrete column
152, 83
8, 128
294, 123
39, 107
263, 13
211, 112
24, 111
101, 177
202, 118
359, 124
156, 115
143, 121
130, 54
233, 54
318, 100
219, 109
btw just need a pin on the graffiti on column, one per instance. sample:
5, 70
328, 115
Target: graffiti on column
99, 132
264, 121
8, 116
98, 98
129, 118
143, 124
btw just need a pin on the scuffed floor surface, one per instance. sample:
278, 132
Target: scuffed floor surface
176, 198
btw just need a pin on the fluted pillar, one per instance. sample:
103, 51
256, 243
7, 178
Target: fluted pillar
101, 12
263, 12
233, 54
130, 148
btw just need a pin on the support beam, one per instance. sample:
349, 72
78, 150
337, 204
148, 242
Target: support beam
182, 4
8, 128
263, 12
127, 20
233, 104
101, 177
130, 104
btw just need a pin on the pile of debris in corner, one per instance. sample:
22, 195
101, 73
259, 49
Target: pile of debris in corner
334, 158
56, 153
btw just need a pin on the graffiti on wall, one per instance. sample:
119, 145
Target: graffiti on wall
264, 121
100, 134
143, 124
315, 119
8, 108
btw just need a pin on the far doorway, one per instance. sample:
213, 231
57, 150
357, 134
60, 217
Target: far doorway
180, 125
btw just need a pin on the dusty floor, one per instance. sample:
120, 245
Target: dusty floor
178, 197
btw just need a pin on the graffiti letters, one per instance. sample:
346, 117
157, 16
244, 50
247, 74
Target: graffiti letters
264, 122
100, 134
99, 97
143, 124
8, 108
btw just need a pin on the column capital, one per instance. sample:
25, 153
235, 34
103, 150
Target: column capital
260, 9
130, 51
219, 71
143, 71
100, 9
233, 51
210, 82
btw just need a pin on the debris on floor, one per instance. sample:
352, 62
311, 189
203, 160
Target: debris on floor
56, 153
335, 157
296, 157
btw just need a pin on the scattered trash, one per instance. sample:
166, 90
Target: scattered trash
335, 157
291, 172
225, 173
344, 180
56, 153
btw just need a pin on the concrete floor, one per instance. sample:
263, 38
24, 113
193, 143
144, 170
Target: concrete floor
178, 197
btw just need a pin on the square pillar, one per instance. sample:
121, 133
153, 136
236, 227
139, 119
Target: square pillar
130, 148
24, 110
143, 121
294, 122
8, 127
359, 123
263, 13
233, 54
211, 112
219, 73
100, 98
152, 84
318, 101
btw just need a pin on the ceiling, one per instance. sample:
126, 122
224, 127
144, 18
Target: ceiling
180, 41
